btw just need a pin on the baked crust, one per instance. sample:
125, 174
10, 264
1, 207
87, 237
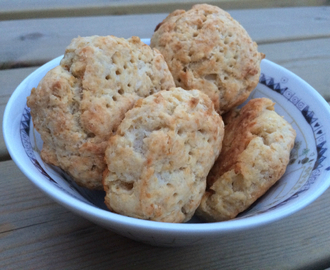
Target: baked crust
206, 49
255, 153
158, 161
81, 102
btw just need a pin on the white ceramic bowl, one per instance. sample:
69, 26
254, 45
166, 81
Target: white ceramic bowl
306, 178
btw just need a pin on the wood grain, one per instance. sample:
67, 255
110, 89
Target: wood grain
16, 9
37, 233
34, 42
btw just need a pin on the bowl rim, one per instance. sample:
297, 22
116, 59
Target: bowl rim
93, 213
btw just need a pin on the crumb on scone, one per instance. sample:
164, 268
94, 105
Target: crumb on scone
255, 153
81, 102
158, 161
206, 49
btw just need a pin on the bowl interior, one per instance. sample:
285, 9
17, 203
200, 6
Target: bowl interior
306, 177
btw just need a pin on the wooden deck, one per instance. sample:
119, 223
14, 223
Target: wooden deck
37, 233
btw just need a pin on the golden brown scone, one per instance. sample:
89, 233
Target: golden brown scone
206, 49
79, 104
159, 159
255, 153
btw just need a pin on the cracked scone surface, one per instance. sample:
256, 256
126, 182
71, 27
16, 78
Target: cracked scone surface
206, 49
158, 161
80, 103
255, 153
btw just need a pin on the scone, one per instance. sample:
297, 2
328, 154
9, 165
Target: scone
255, 153
158, 161
81, 102
206, 49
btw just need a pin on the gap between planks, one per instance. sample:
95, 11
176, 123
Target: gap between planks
50, 9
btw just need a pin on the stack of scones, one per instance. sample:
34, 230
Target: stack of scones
157, 127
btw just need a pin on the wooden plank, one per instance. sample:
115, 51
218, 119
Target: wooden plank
33, 42
37, 233
16, 9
